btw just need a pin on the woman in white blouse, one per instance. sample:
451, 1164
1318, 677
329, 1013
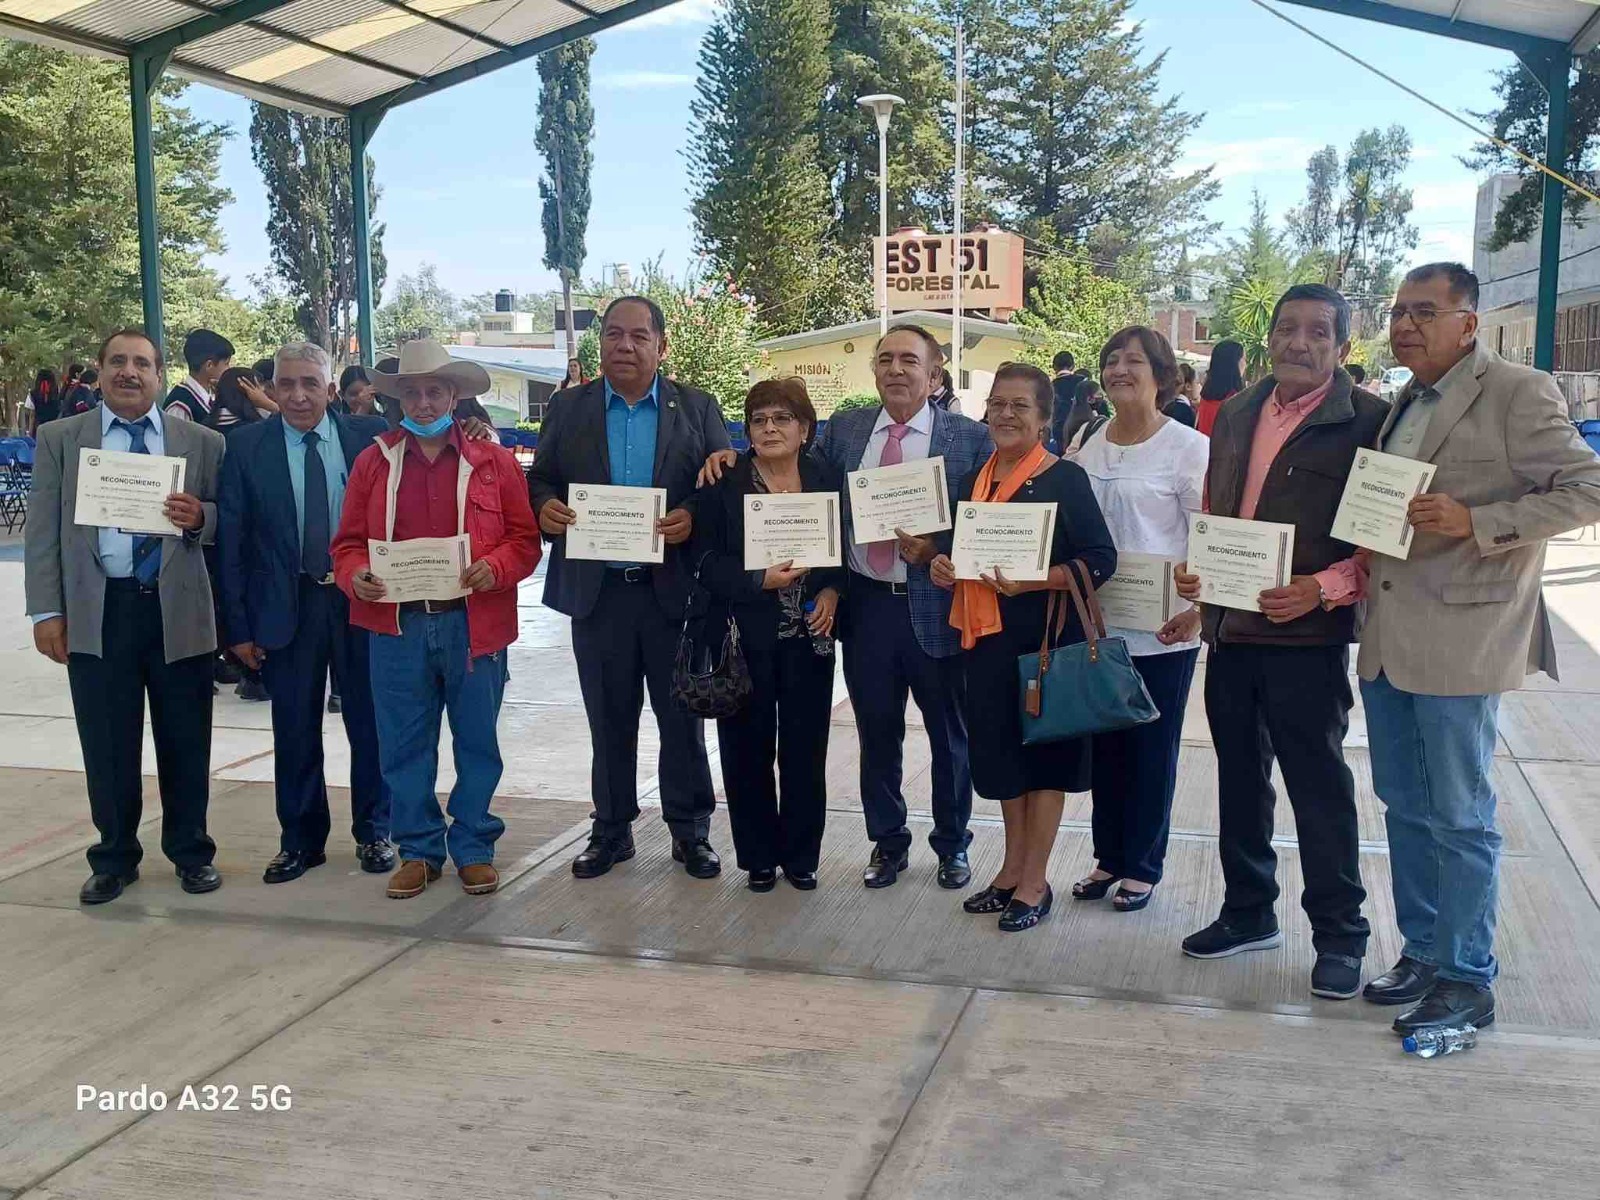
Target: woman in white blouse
1148, 472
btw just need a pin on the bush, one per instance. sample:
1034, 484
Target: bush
857, 400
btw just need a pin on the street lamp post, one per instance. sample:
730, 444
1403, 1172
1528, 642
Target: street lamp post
881, 105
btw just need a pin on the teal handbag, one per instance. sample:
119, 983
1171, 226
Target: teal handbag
1086, 688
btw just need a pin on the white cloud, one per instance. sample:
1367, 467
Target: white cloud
631, 81
1445, 245
1253, 157
1444, 197
1262, 108
685, 12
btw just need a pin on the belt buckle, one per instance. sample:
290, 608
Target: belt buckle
428, 607
634, 574
899, 588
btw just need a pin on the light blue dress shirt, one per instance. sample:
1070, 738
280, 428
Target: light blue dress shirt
333, 468
116, 547
631, 436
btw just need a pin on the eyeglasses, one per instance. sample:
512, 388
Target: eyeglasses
1011, 406
1421, 314
777, 420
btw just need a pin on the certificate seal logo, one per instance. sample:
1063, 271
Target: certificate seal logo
383, 551
1361, 463
1200, 527
580, 494
94, 460
755, 506
970, 514
861, 483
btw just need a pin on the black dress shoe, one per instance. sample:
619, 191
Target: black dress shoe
1019, 916
697, 857
103, 887
1406, 984
199, 880
251, 689
805, 881
291, 864
1449, 1002
335, 703
763, 880
601, 854
954, 870
376, 858
882, 871
990, 900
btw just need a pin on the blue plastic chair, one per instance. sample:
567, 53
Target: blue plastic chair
1590, 432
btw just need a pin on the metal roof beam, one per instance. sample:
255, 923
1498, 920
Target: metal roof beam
215, 21
446, 23
1421, 22
519, 53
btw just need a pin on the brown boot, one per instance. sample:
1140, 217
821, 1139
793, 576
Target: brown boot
479, 879
412, 879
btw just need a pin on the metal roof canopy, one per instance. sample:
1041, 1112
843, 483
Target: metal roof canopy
1546, 35
351, 58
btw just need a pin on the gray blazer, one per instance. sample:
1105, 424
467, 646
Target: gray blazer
64, 573
1466, 616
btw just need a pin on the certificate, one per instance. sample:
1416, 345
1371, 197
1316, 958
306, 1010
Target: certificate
1141, 594
126, 491
802, 528
420, 568
1238, 560
910, 496
1012, 538
1380, 489
617, 524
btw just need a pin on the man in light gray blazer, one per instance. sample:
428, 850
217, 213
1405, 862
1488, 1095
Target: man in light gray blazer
130, 614
1456, 624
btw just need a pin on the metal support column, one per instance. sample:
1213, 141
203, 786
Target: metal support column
144, 75
1556, 77
363, 123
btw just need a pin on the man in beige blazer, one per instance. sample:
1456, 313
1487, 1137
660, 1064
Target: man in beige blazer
129, 614
1454, 625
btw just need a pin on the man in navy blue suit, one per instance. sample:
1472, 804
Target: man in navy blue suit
283, 484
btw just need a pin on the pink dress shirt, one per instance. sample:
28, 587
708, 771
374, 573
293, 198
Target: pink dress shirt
1344, 582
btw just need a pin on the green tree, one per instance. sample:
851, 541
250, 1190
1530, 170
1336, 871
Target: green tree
1073, 306
69, 257
1259, 270
1520, 122
761, 206
305, 163
420, 306
566, 128
1354, 226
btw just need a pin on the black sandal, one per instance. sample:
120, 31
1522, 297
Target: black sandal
1126, 901
1019, 916
1093, 889
990, 900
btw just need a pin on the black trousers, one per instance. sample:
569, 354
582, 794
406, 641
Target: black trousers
883, 661
1293, 702
296, 676
1135, 771
108, 695
787, 719
627, 644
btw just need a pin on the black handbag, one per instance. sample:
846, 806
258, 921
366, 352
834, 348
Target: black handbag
707, 684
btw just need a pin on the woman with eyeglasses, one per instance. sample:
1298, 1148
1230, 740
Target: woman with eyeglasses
785, 618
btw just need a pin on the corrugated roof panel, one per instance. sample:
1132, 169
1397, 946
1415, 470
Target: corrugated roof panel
521, 22
309, 18
226, 50
427, 49
340, 82
113, 20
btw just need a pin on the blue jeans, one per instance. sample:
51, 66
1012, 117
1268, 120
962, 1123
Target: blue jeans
415, 676
1431, 757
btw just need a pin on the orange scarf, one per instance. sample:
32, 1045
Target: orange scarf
975, 611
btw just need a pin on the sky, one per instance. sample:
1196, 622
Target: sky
459, 171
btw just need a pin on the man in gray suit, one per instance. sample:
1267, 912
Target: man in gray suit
1456, 624
128, 614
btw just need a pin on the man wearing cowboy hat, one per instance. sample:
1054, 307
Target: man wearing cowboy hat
631, 428
426, 480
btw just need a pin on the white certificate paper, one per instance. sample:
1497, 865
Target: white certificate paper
1372, 512
1141, 595
420, 568
616, 524
1015, 538
1238, 560
911, 496
119, 490
802, 528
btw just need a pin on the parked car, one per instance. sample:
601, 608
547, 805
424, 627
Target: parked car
1393, 380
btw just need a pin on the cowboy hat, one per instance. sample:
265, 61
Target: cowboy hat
424, 358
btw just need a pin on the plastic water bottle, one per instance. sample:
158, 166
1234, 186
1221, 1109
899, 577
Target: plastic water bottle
822, 643
1431, 1042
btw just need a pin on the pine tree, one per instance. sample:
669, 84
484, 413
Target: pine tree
566, 129
305, 162
761, 206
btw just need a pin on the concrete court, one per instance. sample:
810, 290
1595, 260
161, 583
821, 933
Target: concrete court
647, 1035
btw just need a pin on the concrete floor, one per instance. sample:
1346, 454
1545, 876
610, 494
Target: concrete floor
651, 1036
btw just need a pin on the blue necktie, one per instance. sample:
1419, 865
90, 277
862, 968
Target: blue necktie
315, 537
146, 549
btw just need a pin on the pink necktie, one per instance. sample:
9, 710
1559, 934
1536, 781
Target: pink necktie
880, 555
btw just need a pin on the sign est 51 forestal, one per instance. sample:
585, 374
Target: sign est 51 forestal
917, 270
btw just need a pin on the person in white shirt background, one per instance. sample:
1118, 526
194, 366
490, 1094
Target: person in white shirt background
1147, 471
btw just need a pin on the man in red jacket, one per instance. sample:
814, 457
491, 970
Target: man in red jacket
426, 481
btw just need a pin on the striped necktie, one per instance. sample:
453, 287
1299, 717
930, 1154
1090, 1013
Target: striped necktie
146, 549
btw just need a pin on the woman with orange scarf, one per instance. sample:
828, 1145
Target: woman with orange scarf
1001, 619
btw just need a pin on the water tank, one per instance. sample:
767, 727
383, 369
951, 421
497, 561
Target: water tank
505, 300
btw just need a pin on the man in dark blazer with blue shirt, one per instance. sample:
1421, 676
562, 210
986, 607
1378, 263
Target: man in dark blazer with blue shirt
282, 491
634, 428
